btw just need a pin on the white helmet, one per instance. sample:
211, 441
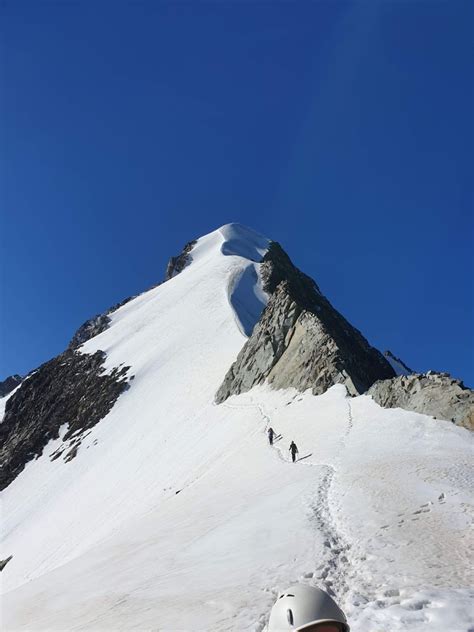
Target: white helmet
303, 607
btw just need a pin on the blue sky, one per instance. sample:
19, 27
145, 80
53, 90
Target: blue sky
343, 130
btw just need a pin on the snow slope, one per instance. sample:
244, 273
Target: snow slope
4, 400
177, 515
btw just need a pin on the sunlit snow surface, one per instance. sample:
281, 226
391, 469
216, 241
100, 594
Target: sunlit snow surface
376, 509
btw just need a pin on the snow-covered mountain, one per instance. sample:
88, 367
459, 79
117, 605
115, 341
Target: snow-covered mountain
134, 500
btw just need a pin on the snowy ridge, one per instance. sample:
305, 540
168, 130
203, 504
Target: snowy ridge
246, 294
176, 514
167, 336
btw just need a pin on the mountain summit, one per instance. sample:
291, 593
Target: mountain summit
140, 490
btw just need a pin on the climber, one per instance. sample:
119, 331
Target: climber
304, 608
271, 434
293, 450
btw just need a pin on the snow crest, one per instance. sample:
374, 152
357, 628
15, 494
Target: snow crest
246, 249
177, 514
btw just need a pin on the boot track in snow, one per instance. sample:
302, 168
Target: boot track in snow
335, 570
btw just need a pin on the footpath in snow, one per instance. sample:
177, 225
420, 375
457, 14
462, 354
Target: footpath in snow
384, 531
176, 514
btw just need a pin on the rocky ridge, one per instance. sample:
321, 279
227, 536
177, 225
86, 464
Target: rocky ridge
430, 393
99, 323
9, 384
71, 390
301, 341
94, 326
178, 263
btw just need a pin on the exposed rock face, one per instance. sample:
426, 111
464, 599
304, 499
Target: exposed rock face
70, 389
4, 562
431, 393
94, 326
97, 324
9, 384
301, 340
177, 264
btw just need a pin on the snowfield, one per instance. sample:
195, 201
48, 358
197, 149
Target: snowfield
176, 514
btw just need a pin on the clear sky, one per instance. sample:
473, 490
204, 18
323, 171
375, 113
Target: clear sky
343, 130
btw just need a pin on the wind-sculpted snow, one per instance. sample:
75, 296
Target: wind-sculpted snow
245, 249
243, 242
247, 298
176, 514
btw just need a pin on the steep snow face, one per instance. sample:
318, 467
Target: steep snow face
179, 339
4, 400
244, 287
243, 242
176, 514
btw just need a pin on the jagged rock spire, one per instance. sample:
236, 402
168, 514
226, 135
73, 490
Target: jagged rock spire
301, 340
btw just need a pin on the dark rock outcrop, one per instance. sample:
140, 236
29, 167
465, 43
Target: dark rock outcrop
70, 389
177, 264
301, 341
97, 324
8, 385
436, 394
4, 562
94, 326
